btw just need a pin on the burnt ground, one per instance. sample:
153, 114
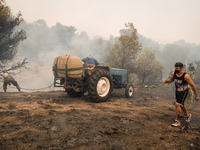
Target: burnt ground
54, 121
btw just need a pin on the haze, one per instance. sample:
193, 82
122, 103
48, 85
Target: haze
161, 20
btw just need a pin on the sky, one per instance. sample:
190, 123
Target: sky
163, 21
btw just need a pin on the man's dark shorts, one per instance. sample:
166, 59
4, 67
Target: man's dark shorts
180, 97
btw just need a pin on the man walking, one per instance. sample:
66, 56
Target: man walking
181, 80
8, 79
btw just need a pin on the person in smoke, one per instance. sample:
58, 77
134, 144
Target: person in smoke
191, 70
181, 80
8, 79
90, 61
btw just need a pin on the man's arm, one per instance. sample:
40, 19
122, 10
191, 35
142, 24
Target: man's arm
170, 80
191, 83
96, 61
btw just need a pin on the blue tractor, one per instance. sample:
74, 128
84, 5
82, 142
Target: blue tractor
96, 81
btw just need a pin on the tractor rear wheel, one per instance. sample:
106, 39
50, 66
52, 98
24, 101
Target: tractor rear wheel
100, 86
73, 93
129, 90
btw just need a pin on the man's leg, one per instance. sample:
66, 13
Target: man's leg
176, 122
180, 100
187, 114
18, 87
178, 111
16, 84
185, 110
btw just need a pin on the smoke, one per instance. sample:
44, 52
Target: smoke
44, 43
169, 54
179, 51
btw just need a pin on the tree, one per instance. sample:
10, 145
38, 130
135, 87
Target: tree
125, 50
64, 33
9, 39
148, 68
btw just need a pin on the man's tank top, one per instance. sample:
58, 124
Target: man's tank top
180, 83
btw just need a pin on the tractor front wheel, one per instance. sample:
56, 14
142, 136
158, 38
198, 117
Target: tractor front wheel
129, 90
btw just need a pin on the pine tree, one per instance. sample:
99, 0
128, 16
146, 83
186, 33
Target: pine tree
9, 38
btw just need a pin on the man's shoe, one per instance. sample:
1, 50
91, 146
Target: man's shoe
176, 123
188, 118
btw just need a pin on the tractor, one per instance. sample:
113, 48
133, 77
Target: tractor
96, 82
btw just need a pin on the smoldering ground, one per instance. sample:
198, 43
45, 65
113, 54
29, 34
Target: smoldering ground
53, 120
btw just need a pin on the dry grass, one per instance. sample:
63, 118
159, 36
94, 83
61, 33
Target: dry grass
11, 106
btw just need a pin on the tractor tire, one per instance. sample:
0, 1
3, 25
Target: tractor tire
73, 93
100, 86
129, 90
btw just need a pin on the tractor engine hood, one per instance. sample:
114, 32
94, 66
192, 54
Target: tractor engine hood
119, 77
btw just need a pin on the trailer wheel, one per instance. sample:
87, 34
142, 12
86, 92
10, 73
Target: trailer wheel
100, 86
129, 90
73, 93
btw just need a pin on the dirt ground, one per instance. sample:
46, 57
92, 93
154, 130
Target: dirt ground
54, 121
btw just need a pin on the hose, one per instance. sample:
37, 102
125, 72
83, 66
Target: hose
48, 87
153, 86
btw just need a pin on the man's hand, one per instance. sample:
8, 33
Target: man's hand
169, 80
196, 98
166, 81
